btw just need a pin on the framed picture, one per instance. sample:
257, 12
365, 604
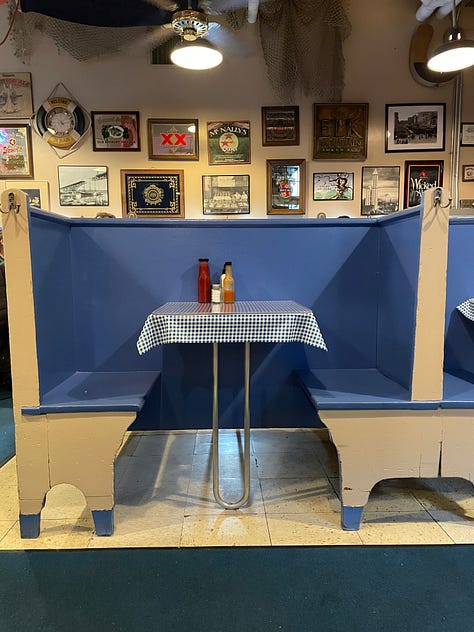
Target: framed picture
15, 95
280, 126
228, 142
380, 190
115, 131
15, 149
415, 127
333, 186
286, 187
421, 175
222, 195
467, 134
83, 186
173, 139
340, 131
36, 190
152, 193
468, 173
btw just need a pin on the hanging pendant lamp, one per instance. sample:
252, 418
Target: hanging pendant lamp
456, 54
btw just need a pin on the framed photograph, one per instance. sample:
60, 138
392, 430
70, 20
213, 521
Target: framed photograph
222, 195
286, 187
280, 126
36, 190
83, 186
16, 99
115, 131
333, 186
421, 175
173, 139
380, 190
228, 142
152, 193
468, 173
415, 127
340, 131
467, 134
15, 149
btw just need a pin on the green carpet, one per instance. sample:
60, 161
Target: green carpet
297, 589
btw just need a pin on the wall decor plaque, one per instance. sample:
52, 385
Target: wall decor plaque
421, 175
15, 95
15, 149
340, 131
173, 139
280, 126
152, 193
286, 187
228, 142
115, 131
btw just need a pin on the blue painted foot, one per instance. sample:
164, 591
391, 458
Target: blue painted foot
30, 525
351, 517
103, 521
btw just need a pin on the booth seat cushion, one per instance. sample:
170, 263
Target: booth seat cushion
458, 390
354, 389
97, 392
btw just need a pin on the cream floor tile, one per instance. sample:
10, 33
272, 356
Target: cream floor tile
285, 440
298, 495
65, 501
154, 470
460, 528
132, 530
225, 530
310, 529
201, 499
230, 466
401, 528
129, 444
8, 472
295, 464
9, 501
176, 446
55, 534
167, 498
5, 526
230, 442
392, 498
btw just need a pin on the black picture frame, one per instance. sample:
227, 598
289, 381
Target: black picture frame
380, 190
421, 175
225, 194
415, 127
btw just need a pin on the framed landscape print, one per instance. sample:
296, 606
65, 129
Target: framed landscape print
421, 175
36, 190
15, 149
415, 127
15, 95
115, 131
286, 187
228, 142
280, 126
83, 186
380, 190
222, 195
152, 193
173, 139
333, 186
340, 131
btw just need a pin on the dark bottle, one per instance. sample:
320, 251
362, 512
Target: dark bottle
204, 282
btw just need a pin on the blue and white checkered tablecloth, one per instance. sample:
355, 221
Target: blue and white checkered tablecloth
467, 308
243, 321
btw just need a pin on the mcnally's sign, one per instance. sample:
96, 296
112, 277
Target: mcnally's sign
228, 142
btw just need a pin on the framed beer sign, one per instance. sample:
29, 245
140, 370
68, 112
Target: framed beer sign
286, 187
228, 142
340, 131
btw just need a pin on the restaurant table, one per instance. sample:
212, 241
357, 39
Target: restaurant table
244, 322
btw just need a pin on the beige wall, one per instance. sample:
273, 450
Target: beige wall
377, 72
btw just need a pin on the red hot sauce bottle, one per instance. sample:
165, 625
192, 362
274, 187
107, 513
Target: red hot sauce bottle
204, 282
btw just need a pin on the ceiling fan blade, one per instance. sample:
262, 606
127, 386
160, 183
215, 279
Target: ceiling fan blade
227, 41
165, 5
157, 36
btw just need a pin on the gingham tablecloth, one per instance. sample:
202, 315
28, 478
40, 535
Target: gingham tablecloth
467, 308
243, 321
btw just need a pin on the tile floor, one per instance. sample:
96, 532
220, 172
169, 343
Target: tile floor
164, 498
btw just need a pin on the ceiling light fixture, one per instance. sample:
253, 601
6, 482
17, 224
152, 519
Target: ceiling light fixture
456, 54
197, 55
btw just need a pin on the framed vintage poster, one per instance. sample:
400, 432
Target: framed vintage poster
421, 175
36, 190
173, 139
468, 173
340, 131
115, 131
467, 134
280, 126
83, 186
228, 142
333, 186
380, 190
15, 149
415, 127
286, 187
15, 95
152, 193
225, 195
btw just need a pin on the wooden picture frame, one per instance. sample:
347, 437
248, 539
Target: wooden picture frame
15, 150
225, 194
415, 127
468, 173
280, 126
380, 190
152, 193
173, 139
340, 131
83, 185
338, 186
228, 142
286, 187
16, 98
115, 131
36, 190
421, 175
467, 134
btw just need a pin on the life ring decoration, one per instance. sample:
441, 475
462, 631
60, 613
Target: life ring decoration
61, 122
